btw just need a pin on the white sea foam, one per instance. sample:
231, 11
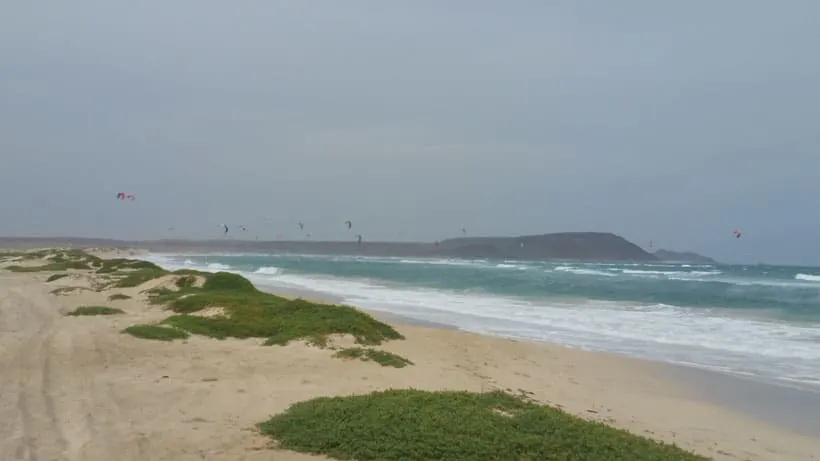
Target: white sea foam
669, 273
216, 267
705, 338
808, 277
583, 271
267, 271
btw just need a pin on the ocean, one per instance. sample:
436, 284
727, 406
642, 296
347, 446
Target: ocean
758, 321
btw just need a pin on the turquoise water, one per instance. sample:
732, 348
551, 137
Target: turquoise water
754, 320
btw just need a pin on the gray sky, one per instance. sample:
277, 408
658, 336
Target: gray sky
670, 121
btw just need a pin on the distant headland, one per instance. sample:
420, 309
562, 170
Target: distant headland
587, 246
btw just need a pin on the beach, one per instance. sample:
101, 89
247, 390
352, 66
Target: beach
75, 388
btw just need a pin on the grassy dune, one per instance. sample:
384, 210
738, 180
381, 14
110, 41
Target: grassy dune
245, 312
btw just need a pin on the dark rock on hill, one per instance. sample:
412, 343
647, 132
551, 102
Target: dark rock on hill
683, 257
567, 245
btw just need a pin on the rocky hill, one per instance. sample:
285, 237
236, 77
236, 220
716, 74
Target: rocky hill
592, 246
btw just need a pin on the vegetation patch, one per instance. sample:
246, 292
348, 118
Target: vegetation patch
108, 266
155, 332
244, 311
96, 310
161, 295
227, 281
25, 255
366, 354
410, 425
185, 281
124, 273
192, 272
66, 290
51, 267
250, 313
138, 277
53, 277
118, 297
261, 315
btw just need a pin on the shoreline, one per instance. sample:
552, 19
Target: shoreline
714, 339
155, 389
791, 408
772, 403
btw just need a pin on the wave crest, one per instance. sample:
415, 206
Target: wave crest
807, 277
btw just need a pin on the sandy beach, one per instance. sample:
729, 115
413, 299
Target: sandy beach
75, 388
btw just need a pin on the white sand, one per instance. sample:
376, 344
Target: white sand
74, 388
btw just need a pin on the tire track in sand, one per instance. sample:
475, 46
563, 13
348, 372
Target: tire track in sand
30, 430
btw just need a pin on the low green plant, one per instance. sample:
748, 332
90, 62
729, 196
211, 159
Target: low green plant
155, 332
410, 425
138, 277
227, 281
250, 313
54, 277
108, 266
65, 290
192, 272
96, 310
161, 295
50, 267
25, 255
261, 315
366, 354
118, 297
185, 281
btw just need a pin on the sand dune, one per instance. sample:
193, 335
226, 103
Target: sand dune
75, 388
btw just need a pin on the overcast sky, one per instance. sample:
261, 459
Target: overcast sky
675, 122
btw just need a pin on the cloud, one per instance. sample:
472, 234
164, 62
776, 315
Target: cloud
675, 123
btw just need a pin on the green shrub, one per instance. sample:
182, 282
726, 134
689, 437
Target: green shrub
96, 310
155, 332
118, 297
409, 425
383, 358
54, 277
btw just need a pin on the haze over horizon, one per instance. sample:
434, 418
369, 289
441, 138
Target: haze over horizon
674, 123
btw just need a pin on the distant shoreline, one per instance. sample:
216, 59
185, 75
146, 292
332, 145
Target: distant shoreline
579, 246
